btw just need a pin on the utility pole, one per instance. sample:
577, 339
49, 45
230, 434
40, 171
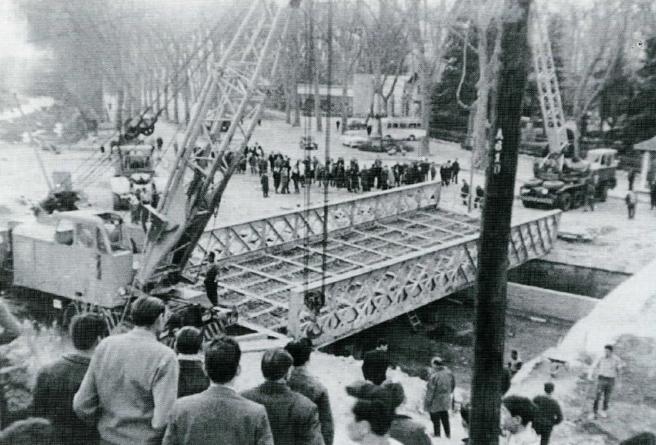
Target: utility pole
495, 233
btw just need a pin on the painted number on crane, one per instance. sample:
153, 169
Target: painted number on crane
498, 145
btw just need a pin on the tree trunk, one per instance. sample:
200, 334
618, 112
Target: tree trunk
296, 104
176, 105
165, 95
158, 92
345, 105
187, 98
491, 281
118, 124
317, 96
288, 103
426, 105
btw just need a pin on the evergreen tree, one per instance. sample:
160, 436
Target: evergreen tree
447, 113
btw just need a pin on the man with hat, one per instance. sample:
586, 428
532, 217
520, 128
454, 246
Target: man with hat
437, 401
403, 428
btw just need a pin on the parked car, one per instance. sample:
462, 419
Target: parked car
307, 143
386, 145
354, 140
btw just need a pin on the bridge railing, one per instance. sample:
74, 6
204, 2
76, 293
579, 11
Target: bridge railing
254, 235
356, 301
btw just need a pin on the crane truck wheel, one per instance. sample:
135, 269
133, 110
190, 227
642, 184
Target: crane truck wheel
116, 201
565, 202
603, 193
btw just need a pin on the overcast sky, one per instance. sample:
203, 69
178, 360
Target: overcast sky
13, 30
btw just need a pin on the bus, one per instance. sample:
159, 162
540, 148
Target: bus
402, 128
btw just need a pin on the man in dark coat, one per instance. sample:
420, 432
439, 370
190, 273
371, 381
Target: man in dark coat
464, 192
57, 383
364, 177
192, 378
374, 366
294, 419
264, 180
301, 381
455, 169
210, 279
218, 414
652, 194
631, 177
548, 414
403, 428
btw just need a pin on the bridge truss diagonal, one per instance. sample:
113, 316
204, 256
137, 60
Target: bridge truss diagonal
387, 254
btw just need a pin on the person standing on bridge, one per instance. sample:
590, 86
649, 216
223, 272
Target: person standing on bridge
210, 279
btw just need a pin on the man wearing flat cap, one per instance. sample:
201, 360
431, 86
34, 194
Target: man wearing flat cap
437, 401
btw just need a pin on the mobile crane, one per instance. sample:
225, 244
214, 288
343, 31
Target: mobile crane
561, 178
88, 260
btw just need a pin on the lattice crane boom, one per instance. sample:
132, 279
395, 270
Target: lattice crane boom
233, 92
547, 82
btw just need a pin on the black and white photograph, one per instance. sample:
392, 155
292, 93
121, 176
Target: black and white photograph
327, 222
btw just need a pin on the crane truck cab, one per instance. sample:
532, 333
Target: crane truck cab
133, 170
560, 180
83, 255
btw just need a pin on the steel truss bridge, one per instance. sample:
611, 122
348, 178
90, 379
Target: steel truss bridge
386, 254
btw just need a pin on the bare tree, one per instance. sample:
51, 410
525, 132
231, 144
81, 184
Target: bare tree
385, 51
429, 30
598, 35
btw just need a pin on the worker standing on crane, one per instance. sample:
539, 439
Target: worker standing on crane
210, 279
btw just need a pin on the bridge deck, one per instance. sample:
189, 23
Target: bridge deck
387, 254
260, 284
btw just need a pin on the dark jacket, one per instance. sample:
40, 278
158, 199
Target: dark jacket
548, 414
217, 415
192, 379
408, 432
293, 418
302, 382
55, 388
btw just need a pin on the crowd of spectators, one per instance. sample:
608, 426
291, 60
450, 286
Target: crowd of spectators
284, 175
129, 388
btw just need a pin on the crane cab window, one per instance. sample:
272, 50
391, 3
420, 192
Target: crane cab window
84, 236
64, 233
